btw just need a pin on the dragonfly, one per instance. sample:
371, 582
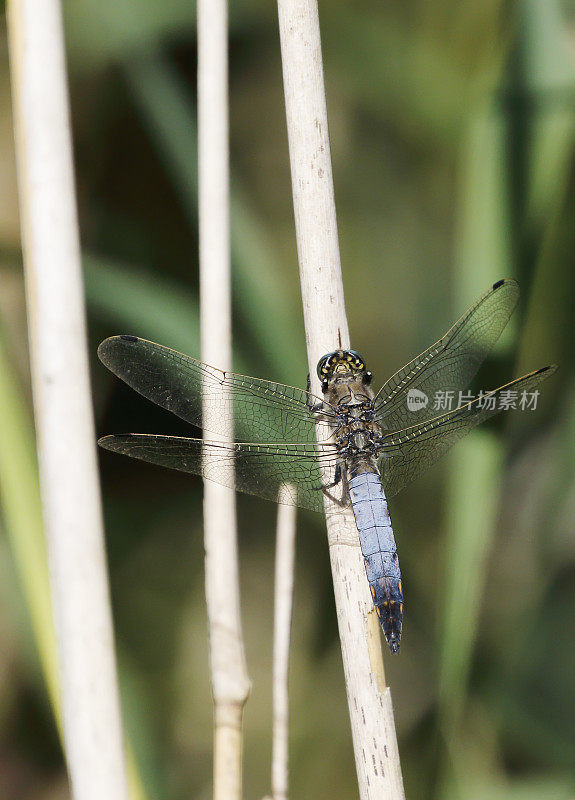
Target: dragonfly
356, 445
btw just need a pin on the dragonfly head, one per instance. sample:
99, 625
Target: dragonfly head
342, 365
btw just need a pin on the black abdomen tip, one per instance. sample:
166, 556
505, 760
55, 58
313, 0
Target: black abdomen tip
393, 642
128, 337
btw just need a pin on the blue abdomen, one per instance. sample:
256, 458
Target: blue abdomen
379, 552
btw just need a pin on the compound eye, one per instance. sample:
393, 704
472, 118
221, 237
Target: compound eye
356, 359
368, 378
324, 385
323, 366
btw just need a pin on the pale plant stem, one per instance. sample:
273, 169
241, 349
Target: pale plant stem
370, 708
284, 581
230, 682
62, 403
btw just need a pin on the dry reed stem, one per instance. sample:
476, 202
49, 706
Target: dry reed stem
371, 713
230, 683
62, 403
284, 582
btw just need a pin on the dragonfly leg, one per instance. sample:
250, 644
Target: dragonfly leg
313, 407
337, 479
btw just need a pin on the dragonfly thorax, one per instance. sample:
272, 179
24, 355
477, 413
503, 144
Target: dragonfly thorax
346, 387
357, 435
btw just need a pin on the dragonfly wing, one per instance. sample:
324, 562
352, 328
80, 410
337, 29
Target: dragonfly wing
409, 452
259, 469
266, 411
450, 364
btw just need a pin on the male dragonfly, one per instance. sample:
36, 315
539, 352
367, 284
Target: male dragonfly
373, 443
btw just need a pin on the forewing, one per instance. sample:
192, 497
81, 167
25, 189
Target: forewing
262, 410
259, 469
408, 453
450, 364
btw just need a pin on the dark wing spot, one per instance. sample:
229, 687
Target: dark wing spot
499, 283
551, 367
128, 338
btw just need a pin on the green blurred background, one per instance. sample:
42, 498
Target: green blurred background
452, 127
